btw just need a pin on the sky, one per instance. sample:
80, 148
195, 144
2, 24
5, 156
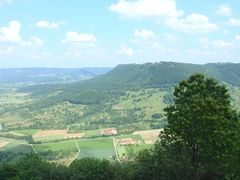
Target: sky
105, 33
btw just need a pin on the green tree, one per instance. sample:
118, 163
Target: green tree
91, 168
201, 125
33, 167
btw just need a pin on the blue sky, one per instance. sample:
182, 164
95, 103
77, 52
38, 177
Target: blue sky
94, 33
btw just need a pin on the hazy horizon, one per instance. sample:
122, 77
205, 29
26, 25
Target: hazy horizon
80, 34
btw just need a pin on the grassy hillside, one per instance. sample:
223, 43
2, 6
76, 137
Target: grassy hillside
129, 97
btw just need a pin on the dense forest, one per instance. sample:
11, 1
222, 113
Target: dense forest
201, 141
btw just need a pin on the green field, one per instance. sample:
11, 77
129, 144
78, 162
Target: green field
92, 133
11, 152
16, 148
121, 151
135, 137
99, 148
131, 150
138, 148
49, 138
57, 146
28, 132
63, 152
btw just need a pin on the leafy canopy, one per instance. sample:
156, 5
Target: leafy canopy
202, 122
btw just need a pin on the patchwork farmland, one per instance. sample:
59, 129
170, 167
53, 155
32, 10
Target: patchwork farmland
63, 147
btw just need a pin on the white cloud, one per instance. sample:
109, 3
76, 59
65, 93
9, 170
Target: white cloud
38, 55
3, 2
145, 8
126, 51
6, 50
171, 37
33, 41
48, 25
144, 34
237, 38
218, 44
13, 43
74, 37
193, 23
234, 22
11, 33
226, 32
224, 10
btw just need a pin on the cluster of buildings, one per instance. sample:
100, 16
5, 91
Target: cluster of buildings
121, 142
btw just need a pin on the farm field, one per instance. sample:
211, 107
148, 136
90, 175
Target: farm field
98, 148
54, 146
130, 150
11, 152
121, 151
135, 137
63, 152
28, 132
92, 133
49, 135
149, 136
138, 148
68, 145
17, 148
54, 135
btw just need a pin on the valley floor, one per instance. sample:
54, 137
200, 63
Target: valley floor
55, 146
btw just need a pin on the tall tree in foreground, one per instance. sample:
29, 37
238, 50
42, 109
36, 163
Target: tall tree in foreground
202, 126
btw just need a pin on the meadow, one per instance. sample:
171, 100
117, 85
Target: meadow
98, 148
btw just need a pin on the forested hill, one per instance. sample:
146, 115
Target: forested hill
135, 76
169, 73
48, 75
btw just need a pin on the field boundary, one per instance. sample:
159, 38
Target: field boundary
76, 154
33, 149
115, 148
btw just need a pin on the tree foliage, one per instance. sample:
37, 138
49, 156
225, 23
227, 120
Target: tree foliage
202, 125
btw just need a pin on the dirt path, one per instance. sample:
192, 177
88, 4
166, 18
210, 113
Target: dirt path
76, 154
33, 149
115, 147
77, 147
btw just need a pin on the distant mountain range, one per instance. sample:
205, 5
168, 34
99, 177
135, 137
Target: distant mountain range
48, 75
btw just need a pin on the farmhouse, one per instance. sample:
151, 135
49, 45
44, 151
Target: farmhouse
126, 141
109, 132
